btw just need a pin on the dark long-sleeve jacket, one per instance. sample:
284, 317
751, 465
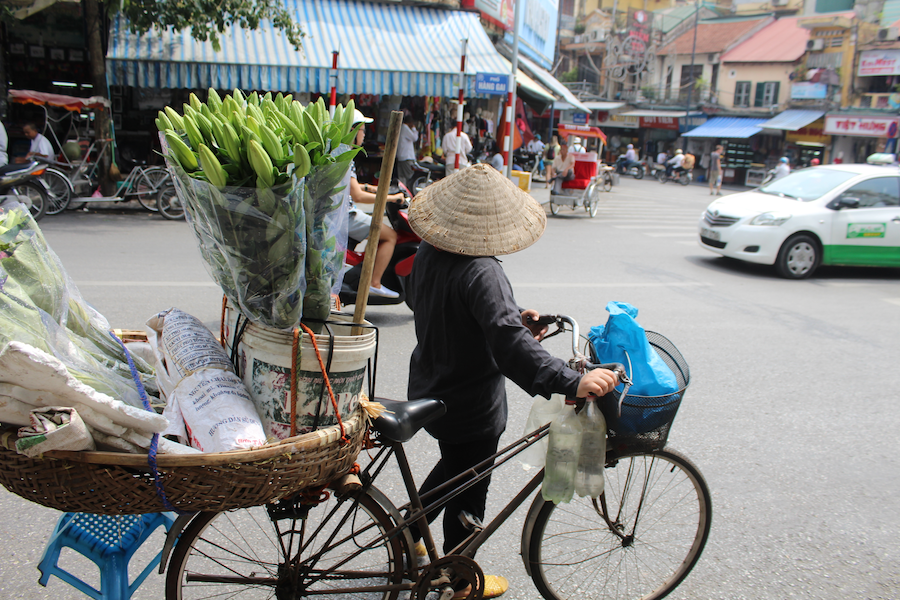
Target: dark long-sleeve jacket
470, 335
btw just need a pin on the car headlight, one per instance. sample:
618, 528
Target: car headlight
771, 219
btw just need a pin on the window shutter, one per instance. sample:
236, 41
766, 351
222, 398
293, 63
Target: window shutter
738, 94
775, 93
760, 93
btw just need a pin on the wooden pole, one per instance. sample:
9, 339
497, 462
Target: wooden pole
384, 182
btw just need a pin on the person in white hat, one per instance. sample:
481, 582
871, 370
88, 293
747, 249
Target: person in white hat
359, 222
471, 334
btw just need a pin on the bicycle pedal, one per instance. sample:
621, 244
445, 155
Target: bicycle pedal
470, 521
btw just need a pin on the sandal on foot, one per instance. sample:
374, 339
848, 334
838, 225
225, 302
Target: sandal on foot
494, 586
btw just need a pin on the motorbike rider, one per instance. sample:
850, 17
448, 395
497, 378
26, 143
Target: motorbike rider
471, 334
631, 158
674, 163
360, 222
783, 168
576, 145
536, 147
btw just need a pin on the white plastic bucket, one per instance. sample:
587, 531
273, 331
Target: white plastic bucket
264, 360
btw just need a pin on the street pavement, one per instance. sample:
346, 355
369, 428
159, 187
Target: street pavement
790, 414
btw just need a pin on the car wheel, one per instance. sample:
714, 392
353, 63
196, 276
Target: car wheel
798, 257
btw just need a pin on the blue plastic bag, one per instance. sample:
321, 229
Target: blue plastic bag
621, 334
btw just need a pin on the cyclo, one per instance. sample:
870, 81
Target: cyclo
72, 176
591, 175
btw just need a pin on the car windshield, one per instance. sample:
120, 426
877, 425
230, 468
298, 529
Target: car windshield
807, 184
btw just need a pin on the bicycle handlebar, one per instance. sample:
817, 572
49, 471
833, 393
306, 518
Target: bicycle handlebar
560, 321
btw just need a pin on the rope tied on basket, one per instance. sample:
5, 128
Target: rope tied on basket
154, 442
295, 348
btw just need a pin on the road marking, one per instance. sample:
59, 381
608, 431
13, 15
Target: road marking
146, 284
655, 227
659, 284
659, 234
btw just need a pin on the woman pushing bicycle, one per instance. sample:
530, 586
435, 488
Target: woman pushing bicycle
472, 335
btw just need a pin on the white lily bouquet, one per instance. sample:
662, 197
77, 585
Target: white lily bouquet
264, 181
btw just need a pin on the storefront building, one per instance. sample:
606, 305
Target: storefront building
390, 57
855, 136
659, 130
804, 137
748, 149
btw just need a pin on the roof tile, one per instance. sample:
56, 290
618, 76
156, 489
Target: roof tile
711, 36
782, 41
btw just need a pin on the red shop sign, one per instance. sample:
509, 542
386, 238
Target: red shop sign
660, 123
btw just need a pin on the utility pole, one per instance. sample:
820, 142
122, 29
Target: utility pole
687, 114
511, 110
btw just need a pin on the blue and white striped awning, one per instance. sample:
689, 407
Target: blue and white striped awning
727, 127
384, 49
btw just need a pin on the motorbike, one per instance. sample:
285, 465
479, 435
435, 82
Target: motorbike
396, 276
636, 170
424, 174
683, 177
23, 180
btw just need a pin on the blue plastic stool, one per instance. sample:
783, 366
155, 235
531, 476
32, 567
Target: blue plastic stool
110, 542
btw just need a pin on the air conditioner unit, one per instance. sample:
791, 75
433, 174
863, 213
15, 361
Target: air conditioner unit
815, 44
887, 34
578, 38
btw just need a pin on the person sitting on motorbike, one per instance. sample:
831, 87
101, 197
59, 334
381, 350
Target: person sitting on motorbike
536, 147
562, 169
674, 163
629, 159
496, 156
360, 222
783, 169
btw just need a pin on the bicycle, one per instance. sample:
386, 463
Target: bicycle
639, 539
71, 185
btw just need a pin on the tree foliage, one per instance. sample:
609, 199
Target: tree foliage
208, 19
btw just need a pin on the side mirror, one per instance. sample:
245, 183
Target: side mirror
847, 202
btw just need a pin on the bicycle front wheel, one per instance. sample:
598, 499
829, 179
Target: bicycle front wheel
338, 548
148, 186
639, 540
60, 191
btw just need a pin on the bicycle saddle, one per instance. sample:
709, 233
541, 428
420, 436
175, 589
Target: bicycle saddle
402, 419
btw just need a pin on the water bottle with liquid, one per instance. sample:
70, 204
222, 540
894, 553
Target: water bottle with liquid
591, 461
562, 456
542, 412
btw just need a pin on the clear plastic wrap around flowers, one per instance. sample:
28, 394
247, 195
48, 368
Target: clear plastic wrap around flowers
276, 252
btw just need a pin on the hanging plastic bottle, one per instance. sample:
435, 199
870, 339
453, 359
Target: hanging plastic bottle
562, 456
592, 460
542, 412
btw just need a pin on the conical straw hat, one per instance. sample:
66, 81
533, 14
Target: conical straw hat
477, 212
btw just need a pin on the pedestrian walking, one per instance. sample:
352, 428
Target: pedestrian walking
715, 171
406, 150
451, 146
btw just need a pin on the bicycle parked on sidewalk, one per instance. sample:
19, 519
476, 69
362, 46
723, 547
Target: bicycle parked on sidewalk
639, 539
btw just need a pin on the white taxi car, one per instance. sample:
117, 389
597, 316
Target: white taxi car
828, 215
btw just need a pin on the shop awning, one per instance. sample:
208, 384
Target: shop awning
552, 84
727, 127
386, 49
590, 105
678, 114
531, 92
70, 103
792, 120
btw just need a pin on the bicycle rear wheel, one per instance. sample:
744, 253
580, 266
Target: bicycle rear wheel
339, 545
148, 185
60, 192
640, 539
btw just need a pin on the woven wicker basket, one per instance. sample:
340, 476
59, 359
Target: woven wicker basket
111, 483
